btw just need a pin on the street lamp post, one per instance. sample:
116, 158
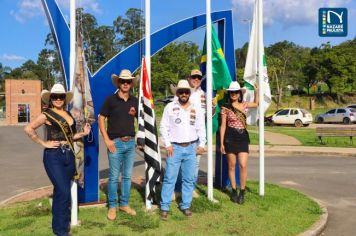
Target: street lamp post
249, 26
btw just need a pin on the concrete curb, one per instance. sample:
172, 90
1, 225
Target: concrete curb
298, 150
40, 192
318, 227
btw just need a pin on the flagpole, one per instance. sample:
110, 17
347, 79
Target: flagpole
209, 75
148, 67
72, 56
261, 99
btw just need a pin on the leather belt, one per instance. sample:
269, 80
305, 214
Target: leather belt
125, 138
185, 144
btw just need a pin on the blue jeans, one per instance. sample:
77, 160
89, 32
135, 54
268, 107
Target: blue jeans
60, 167
178, 186
183, 158
125, 157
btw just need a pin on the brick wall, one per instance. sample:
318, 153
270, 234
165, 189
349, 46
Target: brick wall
26, 92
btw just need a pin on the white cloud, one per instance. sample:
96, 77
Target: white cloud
12, 57
286, 12
28, 9
91, 5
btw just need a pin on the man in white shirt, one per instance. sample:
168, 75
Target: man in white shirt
197, 97
184, 136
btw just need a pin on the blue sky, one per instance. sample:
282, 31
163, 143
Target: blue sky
24, 26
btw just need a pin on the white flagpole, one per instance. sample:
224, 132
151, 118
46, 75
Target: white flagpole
74, 188
261, 89
209, 75
148, 67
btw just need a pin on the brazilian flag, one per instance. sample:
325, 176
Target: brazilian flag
221, 74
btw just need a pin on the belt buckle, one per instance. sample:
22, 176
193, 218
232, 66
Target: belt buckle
240, 131
125, 138
64, 147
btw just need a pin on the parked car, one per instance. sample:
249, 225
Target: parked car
337, 115
268, 119
168, 99
352, 106
292, 116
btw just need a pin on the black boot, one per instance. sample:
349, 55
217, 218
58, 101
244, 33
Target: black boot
241, 197
233, 196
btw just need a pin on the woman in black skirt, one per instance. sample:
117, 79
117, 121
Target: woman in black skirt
234, 137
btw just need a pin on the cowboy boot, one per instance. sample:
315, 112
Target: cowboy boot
241, 197
233, 196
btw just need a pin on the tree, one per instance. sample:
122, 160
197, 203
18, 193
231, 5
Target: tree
173, 63
284, 57
49, 66
130, 28
4, 72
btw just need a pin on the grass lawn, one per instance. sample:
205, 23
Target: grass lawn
307, 137
281, 211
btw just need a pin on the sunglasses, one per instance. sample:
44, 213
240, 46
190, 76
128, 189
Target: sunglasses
183, 91
58, 97
125, 81
234, 92
196, 77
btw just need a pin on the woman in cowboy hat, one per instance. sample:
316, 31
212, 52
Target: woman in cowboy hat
58, 156
234, 137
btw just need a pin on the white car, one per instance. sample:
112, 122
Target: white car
338, 115
292, 116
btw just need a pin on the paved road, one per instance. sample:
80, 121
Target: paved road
329, 179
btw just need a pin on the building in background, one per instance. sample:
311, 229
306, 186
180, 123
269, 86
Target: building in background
23, 100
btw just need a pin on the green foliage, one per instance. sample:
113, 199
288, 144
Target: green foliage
130, 28
304, 68
173, 63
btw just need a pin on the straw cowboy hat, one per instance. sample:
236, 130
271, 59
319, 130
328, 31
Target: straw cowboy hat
196, 72
124, 74
235, 86
182, 84
56, 89
43, 92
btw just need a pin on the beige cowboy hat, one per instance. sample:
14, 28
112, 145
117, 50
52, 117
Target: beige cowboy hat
125, 74
182, 84
56, 89
196, 72
235, 86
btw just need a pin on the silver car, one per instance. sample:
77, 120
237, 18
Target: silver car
337, 115
352, 106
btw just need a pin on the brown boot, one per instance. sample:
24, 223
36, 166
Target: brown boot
128, 210
111, 214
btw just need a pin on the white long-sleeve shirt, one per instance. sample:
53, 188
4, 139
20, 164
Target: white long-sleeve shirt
198, 97
179, 125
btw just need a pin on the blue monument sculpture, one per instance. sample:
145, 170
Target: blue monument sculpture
130, 58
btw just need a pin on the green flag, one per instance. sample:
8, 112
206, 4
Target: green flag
221, 74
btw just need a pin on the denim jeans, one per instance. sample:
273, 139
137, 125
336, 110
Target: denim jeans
183, 158
178, 186
124, 158
60, 167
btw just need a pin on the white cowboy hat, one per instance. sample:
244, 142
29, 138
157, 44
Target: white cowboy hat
182, 84
56, 89
235, 86
124, 74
